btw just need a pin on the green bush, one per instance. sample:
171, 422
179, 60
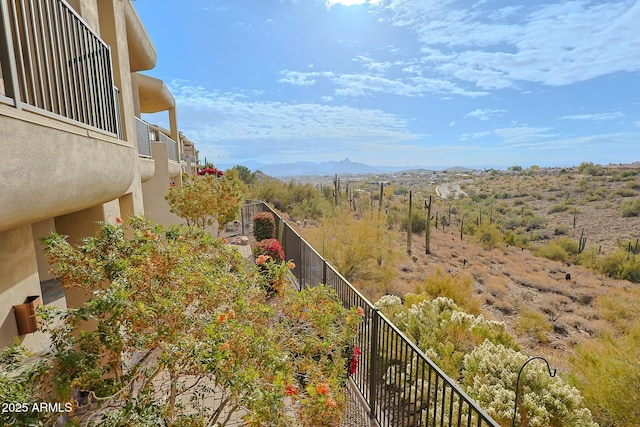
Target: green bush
489, 236
630, 209
559, 208
621, 264
264, 226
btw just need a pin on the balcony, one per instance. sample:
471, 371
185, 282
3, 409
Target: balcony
59, 115
53, 64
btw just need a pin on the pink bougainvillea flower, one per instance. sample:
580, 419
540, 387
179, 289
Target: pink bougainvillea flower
353, 366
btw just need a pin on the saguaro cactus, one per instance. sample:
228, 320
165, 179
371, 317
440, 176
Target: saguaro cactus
427, 229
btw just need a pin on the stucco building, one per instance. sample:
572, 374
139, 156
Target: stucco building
74, 150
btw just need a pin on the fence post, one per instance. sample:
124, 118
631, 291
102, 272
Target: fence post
324, 271
373, 357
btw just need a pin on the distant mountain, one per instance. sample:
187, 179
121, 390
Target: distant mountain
341, 167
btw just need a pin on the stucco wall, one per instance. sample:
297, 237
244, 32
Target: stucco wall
50, 171
19, 279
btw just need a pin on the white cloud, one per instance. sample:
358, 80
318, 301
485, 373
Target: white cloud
598, 117
237, 126
520, 134
554, 44
485, 114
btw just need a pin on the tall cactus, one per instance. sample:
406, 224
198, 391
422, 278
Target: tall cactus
582, 242
427, 230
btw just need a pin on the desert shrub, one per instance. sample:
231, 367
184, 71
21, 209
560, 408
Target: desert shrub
490, 373
489, 236
559, 208
446, 333
418, 222
264, 226
621, 264
533, 222
518, 239
551, 251
360, 248
630, 209
457, 287
624, 192
633, 184
588, 168
607, 371
270, 248
533, 324
561, 230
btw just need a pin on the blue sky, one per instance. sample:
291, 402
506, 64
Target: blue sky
432, 83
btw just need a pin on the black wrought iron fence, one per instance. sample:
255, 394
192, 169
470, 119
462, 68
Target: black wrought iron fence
401, 386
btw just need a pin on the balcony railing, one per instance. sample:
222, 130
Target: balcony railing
144, 138
172, 146
54, 64
400, 385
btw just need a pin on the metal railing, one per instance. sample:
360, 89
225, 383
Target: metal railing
144, 138
55, 65
172, 146
401, 386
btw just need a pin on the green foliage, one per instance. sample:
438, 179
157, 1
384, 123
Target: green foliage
245, 174
559, 208
445, 332
178, 318
621, 264
489, 236
561, 249
533, 324
358, 247
302, 200
22, 383
264, 226
490, 375
588, 168
607, 371
456, 287
204, 200
630, 209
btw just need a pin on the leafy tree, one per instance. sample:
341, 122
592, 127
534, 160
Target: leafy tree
181, 333
245, 174
204, 200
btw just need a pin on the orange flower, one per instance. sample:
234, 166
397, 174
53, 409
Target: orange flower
330, 402
232, 314
360, 311
262, 259
322, 388
118, 220
222, 318
291, 265
224, 240
224, 346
